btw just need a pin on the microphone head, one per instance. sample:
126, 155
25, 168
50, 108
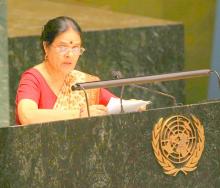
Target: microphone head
117, 74
75, 87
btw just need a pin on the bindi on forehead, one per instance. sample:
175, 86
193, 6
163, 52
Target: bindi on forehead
74, 42
71, 42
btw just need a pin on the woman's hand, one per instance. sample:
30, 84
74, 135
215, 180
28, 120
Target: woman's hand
95, 110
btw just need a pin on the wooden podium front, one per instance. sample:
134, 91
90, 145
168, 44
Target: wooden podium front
109, 151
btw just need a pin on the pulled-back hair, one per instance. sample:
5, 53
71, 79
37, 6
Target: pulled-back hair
56, 26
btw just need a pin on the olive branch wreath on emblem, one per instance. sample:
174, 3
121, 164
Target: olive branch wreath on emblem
190, 165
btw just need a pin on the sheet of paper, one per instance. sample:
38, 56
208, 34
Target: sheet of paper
114, 105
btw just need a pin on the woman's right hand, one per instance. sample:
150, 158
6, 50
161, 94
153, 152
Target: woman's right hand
95, 110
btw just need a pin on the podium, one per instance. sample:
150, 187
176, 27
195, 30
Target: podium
107, 151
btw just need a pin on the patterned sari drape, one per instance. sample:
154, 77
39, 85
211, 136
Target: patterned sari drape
75, 100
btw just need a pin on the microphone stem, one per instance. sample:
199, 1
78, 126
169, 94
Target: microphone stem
87, 102
158, 92
216, 73
121, 95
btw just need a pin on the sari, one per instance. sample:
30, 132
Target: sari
76, 100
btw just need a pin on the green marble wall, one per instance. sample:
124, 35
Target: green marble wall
133, 51
4, 93
110, 151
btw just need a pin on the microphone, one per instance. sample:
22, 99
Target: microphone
118, 75
142, 80
218, 77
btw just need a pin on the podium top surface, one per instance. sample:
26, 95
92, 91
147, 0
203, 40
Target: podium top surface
188, 109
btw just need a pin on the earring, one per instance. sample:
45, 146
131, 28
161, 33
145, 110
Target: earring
45, 57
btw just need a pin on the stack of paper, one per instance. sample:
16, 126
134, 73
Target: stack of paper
114, 105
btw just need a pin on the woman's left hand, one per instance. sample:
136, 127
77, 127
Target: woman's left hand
95, 110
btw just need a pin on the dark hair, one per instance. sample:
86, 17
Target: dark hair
56, 26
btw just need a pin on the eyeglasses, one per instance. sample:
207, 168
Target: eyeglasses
63, 50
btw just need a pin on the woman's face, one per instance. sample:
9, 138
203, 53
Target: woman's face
64, 52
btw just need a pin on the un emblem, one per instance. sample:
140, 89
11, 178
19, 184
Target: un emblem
178, 143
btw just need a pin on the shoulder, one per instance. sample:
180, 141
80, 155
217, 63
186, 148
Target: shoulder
31, 78
31, 74
29, 86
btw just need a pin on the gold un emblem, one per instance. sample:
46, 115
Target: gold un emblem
178, 143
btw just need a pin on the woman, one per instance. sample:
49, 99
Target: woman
44, 92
